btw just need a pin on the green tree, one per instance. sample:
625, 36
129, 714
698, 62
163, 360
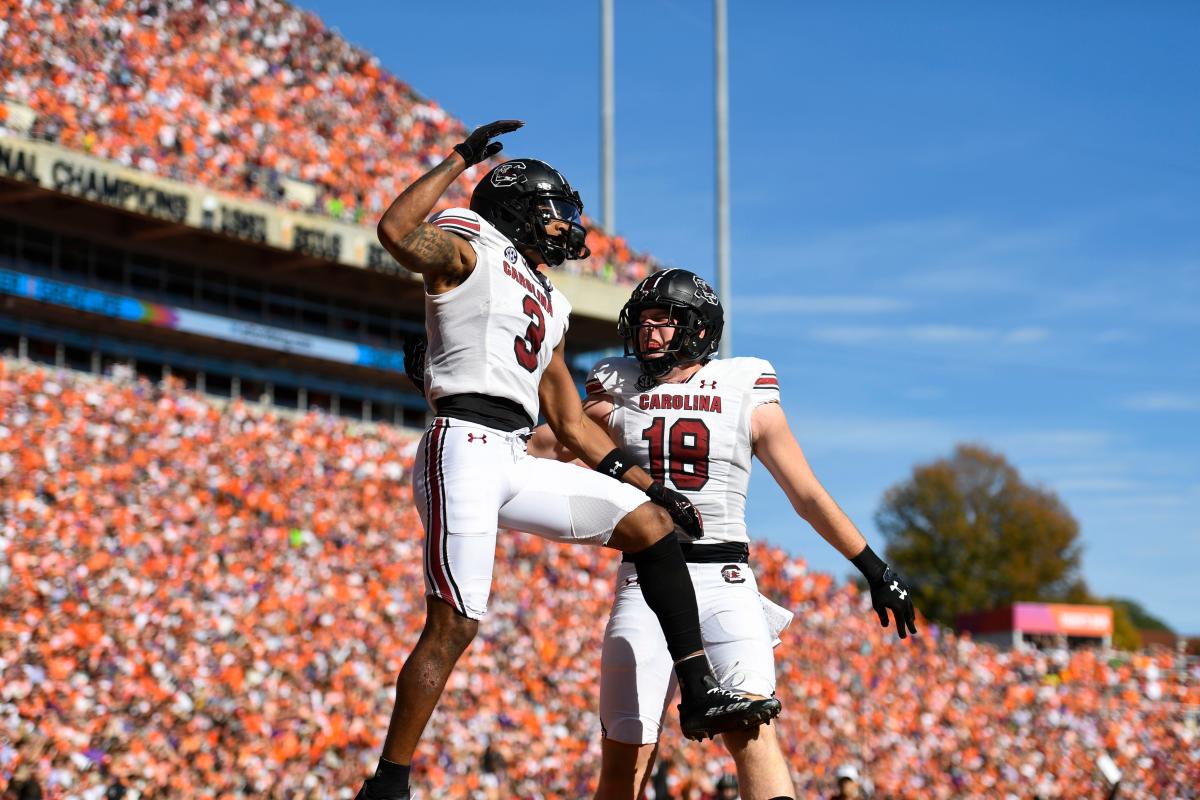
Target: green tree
1125, 634
1139, 617
972, 535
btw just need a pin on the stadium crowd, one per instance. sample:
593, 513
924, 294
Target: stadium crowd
209, 600
239, 96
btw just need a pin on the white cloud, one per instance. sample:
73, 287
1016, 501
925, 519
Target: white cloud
935, 334
1166, 500
1030, 334
1098, 485
818, 304
1058, 444
1116, 336
840, 433
850, 334
1081, 454
958, 278
1162, 401
947, 334
936, 254
924, 393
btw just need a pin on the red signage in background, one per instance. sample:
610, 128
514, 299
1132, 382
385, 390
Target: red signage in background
1061, 618
1054, 618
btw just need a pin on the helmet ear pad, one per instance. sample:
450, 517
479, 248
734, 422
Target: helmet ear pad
703, 338
513, 218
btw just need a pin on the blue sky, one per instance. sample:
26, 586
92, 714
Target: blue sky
951, 222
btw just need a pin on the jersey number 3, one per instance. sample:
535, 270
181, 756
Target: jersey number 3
683, 453
528, 346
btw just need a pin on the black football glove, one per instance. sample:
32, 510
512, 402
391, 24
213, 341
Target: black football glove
414, 359
888, 590
478, 147
686, 516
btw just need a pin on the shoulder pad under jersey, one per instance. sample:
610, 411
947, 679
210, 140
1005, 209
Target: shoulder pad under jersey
615, 377
460, 221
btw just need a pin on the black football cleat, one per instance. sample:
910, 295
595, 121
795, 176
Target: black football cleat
719, 710
367, 792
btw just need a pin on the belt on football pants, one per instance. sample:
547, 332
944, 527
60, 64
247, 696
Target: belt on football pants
715, 553
492, 412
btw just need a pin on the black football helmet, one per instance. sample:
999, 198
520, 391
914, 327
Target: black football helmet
694, 308
521, 197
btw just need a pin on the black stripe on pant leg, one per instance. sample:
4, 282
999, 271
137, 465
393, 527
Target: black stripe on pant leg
429, 507
446, 528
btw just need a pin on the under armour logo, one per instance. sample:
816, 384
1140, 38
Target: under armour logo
481, 437
708, 384
896, 588
616, 467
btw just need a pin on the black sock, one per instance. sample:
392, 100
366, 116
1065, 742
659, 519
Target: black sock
691, 673
392, 777
667, 586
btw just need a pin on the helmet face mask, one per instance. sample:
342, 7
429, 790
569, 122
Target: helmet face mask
524, 199
570, 242
691, 308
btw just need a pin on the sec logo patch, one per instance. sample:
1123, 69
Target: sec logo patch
510, 255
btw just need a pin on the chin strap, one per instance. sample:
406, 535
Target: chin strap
666, 358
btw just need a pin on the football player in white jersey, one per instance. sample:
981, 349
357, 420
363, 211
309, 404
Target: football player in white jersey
494, 360
695, 422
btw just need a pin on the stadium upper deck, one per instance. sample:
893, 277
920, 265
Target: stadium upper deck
153, 206
102, 264
256, 99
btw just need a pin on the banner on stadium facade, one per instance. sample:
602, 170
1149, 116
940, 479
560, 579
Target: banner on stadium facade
56, 168
1072, 620
1040, 618
128, 309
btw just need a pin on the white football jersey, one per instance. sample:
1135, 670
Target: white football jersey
495, 333
694, 436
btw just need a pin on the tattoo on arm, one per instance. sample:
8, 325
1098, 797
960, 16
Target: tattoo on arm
428, 247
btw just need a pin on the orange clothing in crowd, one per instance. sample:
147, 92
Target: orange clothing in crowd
237, 97
212, 601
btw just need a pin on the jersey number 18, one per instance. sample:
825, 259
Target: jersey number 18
682, 453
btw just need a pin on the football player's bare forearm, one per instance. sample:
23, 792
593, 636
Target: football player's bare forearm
827, 519
814, 505
407, 212
780, 453
544, 444
592, 443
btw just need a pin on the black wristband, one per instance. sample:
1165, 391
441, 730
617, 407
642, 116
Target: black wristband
464, 150
870, 565
615, 464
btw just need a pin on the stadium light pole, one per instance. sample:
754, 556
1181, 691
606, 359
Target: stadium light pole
722, 122
607, 116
